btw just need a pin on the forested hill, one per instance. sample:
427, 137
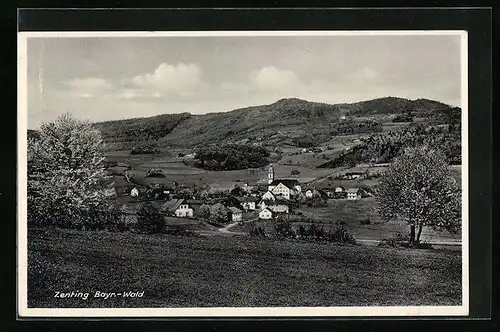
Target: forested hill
392, 105
276, 122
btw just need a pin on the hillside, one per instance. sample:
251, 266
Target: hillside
282, 123
286, 118
130, 132
391, 105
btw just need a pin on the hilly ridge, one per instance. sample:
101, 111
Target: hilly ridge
287, 118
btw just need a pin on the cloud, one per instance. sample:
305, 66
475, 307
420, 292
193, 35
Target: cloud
135, 94
89, 87
180, 78
274, 79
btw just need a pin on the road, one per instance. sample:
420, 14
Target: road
226, 229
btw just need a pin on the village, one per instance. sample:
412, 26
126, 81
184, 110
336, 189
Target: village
267, 199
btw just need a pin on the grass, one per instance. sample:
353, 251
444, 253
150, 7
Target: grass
352, 212
176, 271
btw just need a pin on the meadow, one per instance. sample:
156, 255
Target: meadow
176, 271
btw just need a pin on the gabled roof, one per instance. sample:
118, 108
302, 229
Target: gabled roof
353, 190
172, 205
234, 210
290, 183
271, 211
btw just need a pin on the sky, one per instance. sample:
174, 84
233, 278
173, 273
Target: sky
108, 78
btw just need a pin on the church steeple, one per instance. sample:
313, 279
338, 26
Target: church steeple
270, 174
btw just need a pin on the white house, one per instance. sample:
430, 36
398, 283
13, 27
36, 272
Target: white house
266, 214
284, 188
134, 192
274, 206
354, 193
268, 196
248, 202
309, 193
184, 211
339, 189
179, 207
236, 214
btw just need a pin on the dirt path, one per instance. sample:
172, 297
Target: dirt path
226, 229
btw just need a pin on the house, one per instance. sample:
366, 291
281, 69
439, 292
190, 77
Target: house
339, 189
354, 193
255, 191
278, 206
285, 188
316, 193
248, 202
282, 187
236, 214
231, 201
266, 214
179, 207
134, 192
246, 187
268, 196
353, 175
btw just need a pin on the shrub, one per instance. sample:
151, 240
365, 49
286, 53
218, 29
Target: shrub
149, 219
155, 173
340, 235
256, 231
365, 221
403, 118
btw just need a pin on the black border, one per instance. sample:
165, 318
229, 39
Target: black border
478, 23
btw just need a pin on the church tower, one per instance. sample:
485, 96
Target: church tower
270, 174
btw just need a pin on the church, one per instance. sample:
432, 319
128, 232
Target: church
282, 188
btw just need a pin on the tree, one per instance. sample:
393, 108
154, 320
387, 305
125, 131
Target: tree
204, 211
419, 188
67, 184
219, 213
149, 219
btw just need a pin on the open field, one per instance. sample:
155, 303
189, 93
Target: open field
352, 212
178, 271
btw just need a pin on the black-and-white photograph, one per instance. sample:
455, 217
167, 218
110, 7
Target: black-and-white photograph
243, 173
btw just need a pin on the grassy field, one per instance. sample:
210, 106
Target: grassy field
176, 271
352, 212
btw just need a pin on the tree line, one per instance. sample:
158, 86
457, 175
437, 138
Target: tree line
231, 157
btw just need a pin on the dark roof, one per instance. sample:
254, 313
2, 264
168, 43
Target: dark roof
234, 210
172, 204
290, 183
270, 202
247, 199
194, 202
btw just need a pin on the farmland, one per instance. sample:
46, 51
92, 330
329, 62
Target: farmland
176, 271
